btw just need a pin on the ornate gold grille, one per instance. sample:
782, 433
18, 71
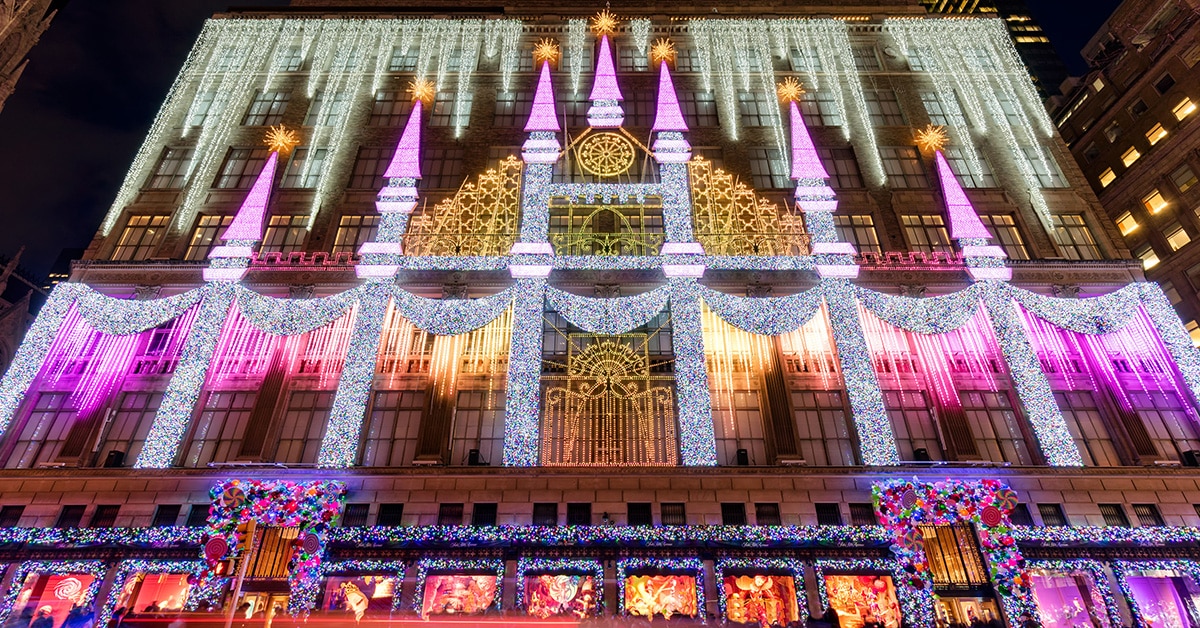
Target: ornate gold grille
599, 229
609, 409
481, 219
730, 219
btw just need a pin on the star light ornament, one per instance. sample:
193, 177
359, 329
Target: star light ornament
281, 139
606, 111
984, 260
231, 260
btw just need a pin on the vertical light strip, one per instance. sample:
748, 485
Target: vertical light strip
523, 391
343, 433
697, 438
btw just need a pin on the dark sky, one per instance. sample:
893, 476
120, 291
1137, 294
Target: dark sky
96, 80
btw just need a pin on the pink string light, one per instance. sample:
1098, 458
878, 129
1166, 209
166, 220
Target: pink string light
605, 87
964, 221
542, 116
248, 223
806, 164
406, 161
668, 117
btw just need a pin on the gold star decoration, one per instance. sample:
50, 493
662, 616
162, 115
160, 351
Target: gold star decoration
281, 139
546, 50
931, 138
790, 90
605, 23
662, 50
422, 90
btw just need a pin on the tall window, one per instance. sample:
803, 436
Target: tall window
1044, 166
573, 108
629, 59
903, 167
442, 167
369, 167
842, 166
448, 110
304, 170
1073, 237
140, 238
805, 59
1004, 227
172, 169
865, 58
1168, 422
219, 428
975, 173
755, 109
859, 230
208, 230
291, 60
512, 109
1087, 427
44, 432
403, 60
640, 108
201, 107
996, 427
912, 420
824, 435
241, 167
129, 426
478, 424
935, 109
926, 233
303, 426
739, 425
1183, 177
699, 108
391, 436
326, 111
285, 234
353, 231
883, 108
768, 169
266, 109
391, 108
687, 59
820, 109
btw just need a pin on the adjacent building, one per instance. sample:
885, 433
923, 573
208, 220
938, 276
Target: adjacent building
22, 23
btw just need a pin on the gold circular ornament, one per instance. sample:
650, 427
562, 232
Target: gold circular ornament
606, 154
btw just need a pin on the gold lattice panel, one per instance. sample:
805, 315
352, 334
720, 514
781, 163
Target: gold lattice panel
731, 219
481, 219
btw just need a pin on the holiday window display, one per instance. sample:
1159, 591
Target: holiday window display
1067, 599
1162, 594
49, 597
458, 594
661, 595
760, 598
360, 597
550, 595
864, 600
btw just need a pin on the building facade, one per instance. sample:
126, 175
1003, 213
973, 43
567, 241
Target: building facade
522, 314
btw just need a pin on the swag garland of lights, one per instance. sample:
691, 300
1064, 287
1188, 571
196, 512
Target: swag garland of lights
689, 566
905, 505
1125, 568
94, 568
756, 566
1093, 569
314, 507
131, 568
916, 606
427, 566
528, 566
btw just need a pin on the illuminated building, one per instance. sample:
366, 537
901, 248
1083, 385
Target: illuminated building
551, 317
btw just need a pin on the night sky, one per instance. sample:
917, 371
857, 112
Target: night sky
97, 78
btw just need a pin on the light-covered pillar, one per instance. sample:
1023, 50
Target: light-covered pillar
697, 437
522, 416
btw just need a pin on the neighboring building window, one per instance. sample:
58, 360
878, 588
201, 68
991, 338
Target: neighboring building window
172, 169
403, 60
1073, 237
1127, 223
1112, 131
699, 108
1184, 109
883, 108
755, 109
391, 434
449, 110
1052, 515
1148, 515
1164, 83
1091, 153
842, 167
325, 111
1107, 177
391, 108
203, 102
926, 233
1044, 166
285, 234
355, 515
638, 514
1004, 227
1168, 289
266, 109
975, 173
1130, 156
629, 59
859, 230
241, 167
768, 169
304, 170
579, 514
1114, 515
353, 231
1156, 133
820, 109
442, 167
1176, 236
512, 109
545, 514
863, 515
733, 514
767, 515
1138, 109
1193, 330
129, 426
903, 167
1148, 256
1183, 177
140, 238
1154, 202
450, 514
673, 514
484, 514
828, 514
165, 515
207, 233
369, 167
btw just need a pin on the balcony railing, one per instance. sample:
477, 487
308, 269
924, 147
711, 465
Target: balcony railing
781, 243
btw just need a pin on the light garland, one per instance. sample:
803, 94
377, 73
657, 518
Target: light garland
697, 435
1096, 315
577, 46
417, 537
755, 566
693, 567
1123, 569
917, 606
584, 566
93, 568
451, 317
767, 316
133, 567
932, 315
427, 565
608, 316
1106, 536
1093, 569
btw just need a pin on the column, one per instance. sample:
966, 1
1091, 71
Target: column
697, 438
523, 392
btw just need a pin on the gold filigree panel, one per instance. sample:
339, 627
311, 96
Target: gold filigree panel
481, 219
731, 219
600, 229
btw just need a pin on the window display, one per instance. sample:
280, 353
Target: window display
1067, 600
647, 596
360, 596
761, 599
550, 595
50, 599
458, 594
864, 601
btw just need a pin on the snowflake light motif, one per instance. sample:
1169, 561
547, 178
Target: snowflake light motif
422, 90
662, 50
931, 138
281, 139
546, 50
790, 90
604, 23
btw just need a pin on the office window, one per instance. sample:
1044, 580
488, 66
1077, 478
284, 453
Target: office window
442, 167
1156, 133
1154, 202
389, 515
828, 514
756, 109
304, 169
1169, 290
165, 515
129, 425
768, 169
1052, 515
1114, 515
733, 514
1176, 236
1127, 223
197, 515
1183, 177
266, 109
285, 234
1130, 156
842, 167
240, 168
391, 434
10, 516
926, 233
1148, 515
545, 514
353, 231
450, 514
483, 514
105, 516
579, 514
865, 58
630, 59
326, 111
863, 515
512, 109
767, 515
70, 517
573, 109
1004, 227
1184, 109
971, 173
403, 60
355, 515
1044, 167
903, 167
172, 169
673, 514
1020, 515
1138, 109
1164, 83
820, 108
699, 108
140, 238
883, 108
638, 514
1148, 256
1091, 153
205, 235
1073, 237
391, 108
640, 109
203, 102
1107, 177
859, 230
805, 59
447, 110
1112, 131
369, 166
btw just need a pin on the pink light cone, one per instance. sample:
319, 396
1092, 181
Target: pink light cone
605, 87
964, 221
542, 116
668, 117
806, 164
406, 162
248, 223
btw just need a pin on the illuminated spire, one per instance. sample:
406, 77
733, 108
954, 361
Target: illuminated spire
964, 221
542, 116
247, 225
812, 181
406, 161
668, 117
605, 112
